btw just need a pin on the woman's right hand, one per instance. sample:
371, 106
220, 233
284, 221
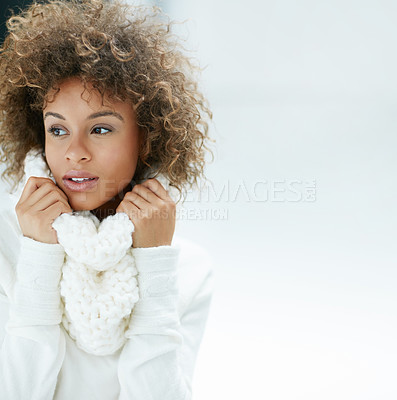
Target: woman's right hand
40, 204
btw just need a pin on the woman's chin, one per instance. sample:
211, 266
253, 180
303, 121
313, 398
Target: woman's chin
100, 207
85, 201
101, 210
84, 206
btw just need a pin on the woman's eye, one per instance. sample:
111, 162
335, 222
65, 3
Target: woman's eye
57, 131
100, 130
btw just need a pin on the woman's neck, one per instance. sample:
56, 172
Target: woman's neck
109, 208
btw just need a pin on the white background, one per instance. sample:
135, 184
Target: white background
305, 302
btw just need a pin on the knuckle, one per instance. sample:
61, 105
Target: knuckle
32, 179
131, 195
171, 206
48, 184
59, 207
144, 215
53, 194
20, 210
63, 204
58, 191
162, 207
59, 195
154, 183
140, 189
150, 181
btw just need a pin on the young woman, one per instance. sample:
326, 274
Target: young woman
98, 299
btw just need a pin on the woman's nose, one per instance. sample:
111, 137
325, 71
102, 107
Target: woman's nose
78, 150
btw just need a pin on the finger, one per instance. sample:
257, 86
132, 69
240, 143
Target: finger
129, 208
32, 185
137, 200
147, 194
157, 188
55, 210
49, 199
45, 189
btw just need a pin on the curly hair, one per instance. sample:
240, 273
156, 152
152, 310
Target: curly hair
128, 53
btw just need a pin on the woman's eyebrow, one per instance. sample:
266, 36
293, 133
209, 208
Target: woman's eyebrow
52, 114
106, 114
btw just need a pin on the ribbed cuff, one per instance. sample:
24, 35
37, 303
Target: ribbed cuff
36, 299
156, 309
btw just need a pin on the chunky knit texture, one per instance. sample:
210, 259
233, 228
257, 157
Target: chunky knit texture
98, 285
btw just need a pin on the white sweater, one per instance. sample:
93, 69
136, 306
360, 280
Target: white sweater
38, 359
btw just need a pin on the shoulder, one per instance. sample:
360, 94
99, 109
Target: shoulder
195, 272
10, 233
9, 228
10, 236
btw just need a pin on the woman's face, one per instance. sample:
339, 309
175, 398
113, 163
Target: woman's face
91, 148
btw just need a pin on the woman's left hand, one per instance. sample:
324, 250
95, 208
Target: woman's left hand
152, 211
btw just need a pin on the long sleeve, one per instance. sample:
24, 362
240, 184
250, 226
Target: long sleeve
166, 327
33, 348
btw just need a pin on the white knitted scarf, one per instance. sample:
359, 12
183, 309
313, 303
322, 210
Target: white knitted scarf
98, 285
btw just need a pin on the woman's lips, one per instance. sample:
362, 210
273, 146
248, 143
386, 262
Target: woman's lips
79, 181
82, 186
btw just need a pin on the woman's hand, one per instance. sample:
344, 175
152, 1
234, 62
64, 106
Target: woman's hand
40, 204
152, 212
